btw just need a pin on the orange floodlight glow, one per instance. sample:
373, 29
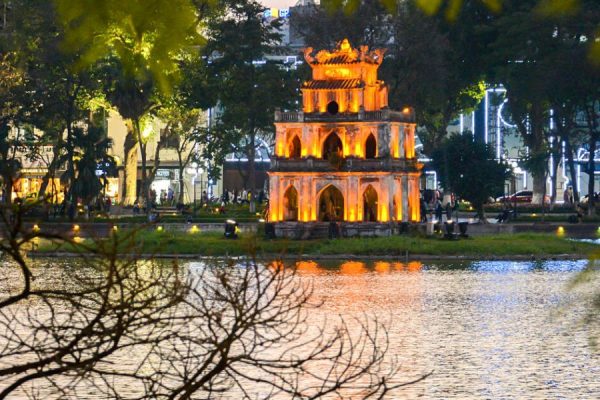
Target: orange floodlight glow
342, 106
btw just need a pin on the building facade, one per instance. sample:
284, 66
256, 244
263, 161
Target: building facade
346, 156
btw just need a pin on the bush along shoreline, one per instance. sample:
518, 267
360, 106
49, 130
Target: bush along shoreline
197, 244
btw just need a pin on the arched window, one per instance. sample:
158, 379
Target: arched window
370, 204
370, 147
332, 146
333, 107
331, 204
295, 147
290, 204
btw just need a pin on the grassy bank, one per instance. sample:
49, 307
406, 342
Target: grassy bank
209, 244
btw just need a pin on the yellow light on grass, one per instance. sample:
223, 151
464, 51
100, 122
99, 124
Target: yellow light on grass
36, 228
115, 228
77, 239
194, 229
560, 231
76, 228
159, 228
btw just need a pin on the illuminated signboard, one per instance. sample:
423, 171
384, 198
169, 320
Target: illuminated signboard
276, 13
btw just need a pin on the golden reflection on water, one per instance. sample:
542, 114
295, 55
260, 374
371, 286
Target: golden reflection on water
309, 267
382, 267
485, 330
353, 268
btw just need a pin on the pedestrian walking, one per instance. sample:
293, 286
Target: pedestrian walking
439, 210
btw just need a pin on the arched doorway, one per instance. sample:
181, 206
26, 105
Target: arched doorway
295, 147
290, 204
332, 146
331, 204
370, 204
370, 147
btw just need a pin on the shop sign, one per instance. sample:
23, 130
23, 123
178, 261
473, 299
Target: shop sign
102, 168
163, 173
276, 13
34, 171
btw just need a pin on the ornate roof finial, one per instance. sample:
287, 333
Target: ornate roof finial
308, 55
345, 46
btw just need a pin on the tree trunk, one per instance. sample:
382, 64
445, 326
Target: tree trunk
152, 174
252, 171
481, 212
544, 201
572, 171
130, 168
70, 164
591, 167
181, 186
145, 186
181, 170
539, 187
51, 173
534, 138
553, 179
8, 189
143, 146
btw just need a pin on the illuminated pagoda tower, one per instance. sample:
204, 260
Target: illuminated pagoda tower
346, 157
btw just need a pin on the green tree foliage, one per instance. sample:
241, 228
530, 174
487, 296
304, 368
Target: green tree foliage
249, 89
542, 61
134, 98
575, 85
468, 168
92, 147
432, 65
56, 95
323, 26
451, 9
185, 135
144, 41
517, 59
11, 86
144, 35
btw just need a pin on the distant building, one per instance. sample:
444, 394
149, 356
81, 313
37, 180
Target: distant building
491, 121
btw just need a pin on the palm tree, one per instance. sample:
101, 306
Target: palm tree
92, 150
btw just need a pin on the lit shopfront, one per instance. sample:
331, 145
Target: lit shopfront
28, 185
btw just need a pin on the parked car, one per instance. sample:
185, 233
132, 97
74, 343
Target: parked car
522, 196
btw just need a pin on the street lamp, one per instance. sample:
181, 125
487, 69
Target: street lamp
195, 169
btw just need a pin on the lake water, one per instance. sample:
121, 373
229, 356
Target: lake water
484, 330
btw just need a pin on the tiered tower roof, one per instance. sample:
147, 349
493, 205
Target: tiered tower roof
345, 76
